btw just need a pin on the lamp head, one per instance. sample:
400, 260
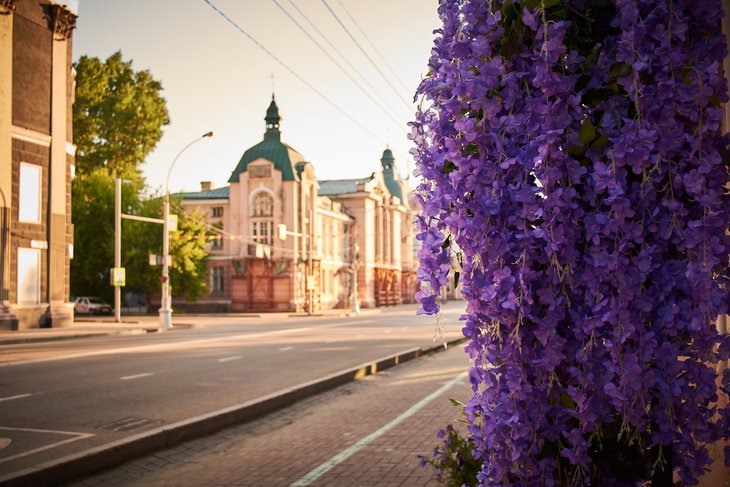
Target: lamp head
209, 134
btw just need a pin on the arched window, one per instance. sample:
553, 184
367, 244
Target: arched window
263, 204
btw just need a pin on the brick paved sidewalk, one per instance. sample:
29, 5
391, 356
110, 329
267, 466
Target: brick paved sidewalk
286, 446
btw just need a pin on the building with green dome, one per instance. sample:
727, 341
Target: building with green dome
285, 238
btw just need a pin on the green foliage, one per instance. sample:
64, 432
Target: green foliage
453, 459
118, 118
93, 217
118, 115
93, 210
190, 260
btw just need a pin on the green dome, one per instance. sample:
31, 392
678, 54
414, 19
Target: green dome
271, 148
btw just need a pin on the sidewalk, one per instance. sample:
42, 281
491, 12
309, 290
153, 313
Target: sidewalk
365, 433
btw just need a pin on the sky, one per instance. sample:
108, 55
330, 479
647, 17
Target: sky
216, 78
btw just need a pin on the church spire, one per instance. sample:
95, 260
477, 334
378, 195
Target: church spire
272, 121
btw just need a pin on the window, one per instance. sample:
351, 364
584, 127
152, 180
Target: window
29, 276
29, 205
217, 212
259, 171
217, 237
217, 280
263, 204
263, 232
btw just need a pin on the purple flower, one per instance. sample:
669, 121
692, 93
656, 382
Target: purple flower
584, 203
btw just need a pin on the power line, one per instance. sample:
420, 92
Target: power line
294, 73
387, 114
387, 65
344, 58
395, 90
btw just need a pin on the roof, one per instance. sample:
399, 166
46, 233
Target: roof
212, 194
341, 186
280, 154
272, 149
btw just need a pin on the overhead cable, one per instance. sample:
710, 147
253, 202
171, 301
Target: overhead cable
387, 114
294, 73
344, 27
344, 58
387, 65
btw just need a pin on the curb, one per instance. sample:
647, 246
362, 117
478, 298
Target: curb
87, 462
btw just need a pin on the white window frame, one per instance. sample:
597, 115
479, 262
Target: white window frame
28, 211
26, 295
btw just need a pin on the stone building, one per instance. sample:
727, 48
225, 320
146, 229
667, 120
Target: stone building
329, 228
36, 162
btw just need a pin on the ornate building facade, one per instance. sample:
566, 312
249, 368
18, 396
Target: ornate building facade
285, 238
36, 162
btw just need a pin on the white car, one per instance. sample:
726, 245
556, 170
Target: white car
89, 305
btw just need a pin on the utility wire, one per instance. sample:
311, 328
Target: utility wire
294, 73
395, 90
387, 114
344, 58
387, 65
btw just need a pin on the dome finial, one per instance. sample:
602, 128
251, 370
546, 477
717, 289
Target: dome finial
272, 121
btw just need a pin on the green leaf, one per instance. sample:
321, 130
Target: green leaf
448, 167
587, 132
620, 69
456, 279
567, 401
576, 150
446, 243
600, 142
457, 403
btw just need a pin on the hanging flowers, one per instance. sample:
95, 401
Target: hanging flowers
573, 174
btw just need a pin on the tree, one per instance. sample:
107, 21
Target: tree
118, 119
573, 174
118, 115
189, 271
93, 217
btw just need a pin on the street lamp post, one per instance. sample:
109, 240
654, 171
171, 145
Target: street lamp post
165, 305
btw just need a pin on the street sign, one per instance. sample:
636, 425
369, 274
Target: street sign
156, 259
172, 223
119, 275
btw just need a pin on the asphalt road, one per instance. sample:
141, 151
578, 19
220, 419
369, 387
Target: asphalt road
58, 398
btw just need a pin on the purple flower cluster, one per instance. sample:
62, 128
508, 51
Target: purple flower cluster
572, 172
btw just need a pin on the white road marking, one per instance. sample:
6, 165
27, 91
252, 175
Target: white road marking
76, 437
175, 345
348, 452
228, 359
136, 376
19, 396
286, 349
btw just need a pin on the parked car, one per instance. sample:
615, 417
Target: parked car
89, 305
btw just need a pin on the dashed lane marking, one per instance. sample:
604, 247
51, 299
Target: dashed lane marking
229, 339
228, 359
286, 349
19, 396
136, 376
